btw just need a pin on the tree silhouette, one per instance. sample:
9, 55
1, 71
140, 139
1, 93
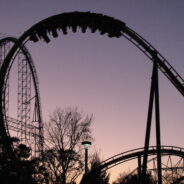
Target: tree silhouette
64, 133
95, 174
101, 176
8, 170
133, 179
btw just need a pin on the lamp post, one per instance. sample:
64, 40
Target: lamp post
86, 145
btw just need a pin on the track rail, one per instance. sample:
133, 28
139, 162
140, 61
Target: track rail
133, 154
154, 55
105, 24
9, 121
130, 155
48, 27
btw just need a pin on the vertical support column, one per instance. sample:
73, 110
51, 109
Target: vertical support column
158, 137
154, 92
139, 169
148, 128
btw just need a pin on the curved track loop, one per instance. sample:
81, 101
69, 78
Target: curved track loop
170, 171
32, 68
133, 154
104, 24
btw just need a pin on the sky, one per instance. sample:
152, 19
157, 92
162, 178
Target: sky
107, 77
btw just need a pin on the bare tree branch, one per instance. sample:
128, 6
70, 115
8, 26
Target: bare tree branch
65, 131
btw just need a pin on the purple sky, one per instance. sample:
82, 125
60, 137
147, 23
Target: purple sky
107, 77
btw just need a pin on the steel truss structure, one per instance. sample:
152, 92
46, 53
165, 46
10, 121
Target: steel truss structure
28, 131
4, 49
172, 162
172, 168
50, 27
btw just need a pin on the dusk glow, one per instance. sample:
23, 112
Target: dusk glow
107, 77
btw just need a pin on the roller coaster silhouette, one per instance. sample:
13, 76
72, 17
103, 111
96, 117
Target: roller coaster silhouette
50, 27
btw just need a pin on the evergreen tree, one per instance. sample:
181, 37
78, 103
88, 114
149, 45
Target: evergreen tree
8, 168
133, 179
101, 176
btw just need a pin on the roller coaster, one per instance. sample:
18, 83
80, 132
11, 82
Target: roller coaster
29, 131
12, 49
172, 162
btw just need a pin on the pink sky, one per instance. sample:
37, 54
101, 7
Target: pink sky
109, 78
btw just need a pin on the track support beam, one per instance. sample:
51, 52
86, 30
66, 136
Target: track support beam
139, 169
154, 95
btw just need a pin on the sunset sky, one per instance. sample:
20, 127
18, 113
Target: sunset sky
108, 77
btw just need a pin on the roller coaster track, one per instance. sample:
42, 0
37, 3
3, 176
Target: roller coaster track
50, 27
163, 64
166, 168
105, 24
133, 154
10, 122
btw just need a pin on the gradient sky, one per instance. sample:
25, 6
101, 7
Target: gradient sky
108, 77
